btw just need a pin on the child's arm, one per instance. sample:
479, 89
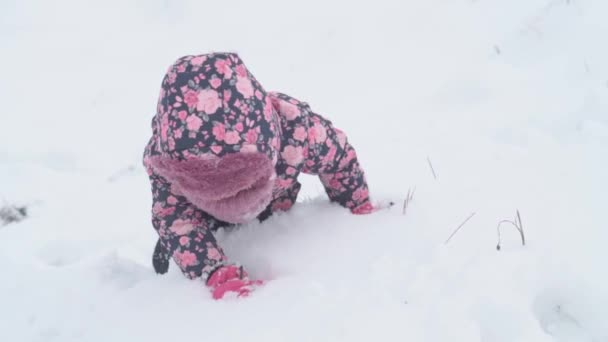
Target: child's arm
335, 161
327, 153
183, 231
185, 235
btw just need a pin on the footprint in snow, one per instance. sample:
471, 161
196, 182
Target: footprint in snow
121, 272
61, 254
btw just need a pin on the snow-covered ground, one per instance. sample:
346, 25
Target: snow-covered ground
508, 100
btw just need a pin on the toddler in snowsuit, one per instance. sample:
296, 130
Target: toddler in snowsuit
224, 151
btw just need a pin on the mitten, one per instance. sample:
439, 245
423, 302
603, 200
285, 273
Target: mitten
231, 278
368, 208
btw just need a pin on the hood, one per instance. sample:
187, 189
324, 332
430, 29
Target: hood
217, 136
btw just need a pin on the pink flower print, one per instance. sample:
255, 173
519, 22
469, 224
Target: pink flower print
223, 68
239, 127
341, 137
219, 132
164, 126
350, 155
360, 193
244, 108
157, 208
284, 183
244, 86
172, 200
198, 60
181, 67
185, 258
249, 148
258, 94
293, 155
232, 137
320, 135
171, 77
251, 136
171, 143
289, 110
333, 183
220, 66
181, 227
227, 95
214, 254
331, 154
216, 149
268, 109
275, 142
184, 240
300, 133
166, 211
182, 115
228, 72
178, 133
215, 82
194, 123
241, 71
208, 101
282, 205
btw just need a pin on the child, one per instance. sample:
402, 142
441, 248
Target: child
224, 151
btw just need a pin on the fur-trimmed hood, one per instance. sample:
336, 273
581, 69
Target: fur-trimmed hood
217, 136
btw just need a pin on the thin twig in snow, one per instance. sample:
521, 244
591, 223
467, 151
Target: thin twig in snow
431, 166
457, 229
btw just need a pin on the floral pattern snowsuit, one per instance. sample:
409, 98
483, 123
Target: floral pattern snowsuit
211, 104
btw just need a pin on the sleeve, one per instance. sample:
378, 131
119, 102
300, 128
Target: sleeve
184, 232
287, 199
335, 161
282, 202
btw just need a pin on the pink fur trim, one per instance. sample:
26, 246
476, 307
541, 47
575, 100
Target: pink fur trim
234, 188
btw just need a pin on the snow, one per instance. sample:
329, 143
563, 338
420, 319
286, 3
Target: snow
507, 99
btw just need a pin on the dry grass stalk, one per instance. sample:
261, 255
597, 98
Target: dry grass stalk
431, 166
460, 226
408, 199
515, 223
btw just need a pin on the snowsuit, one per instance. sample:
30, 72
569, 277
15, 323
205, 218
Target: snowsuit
224, 151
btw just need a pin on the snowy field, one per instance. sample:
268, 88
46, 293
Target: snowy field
507, 100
